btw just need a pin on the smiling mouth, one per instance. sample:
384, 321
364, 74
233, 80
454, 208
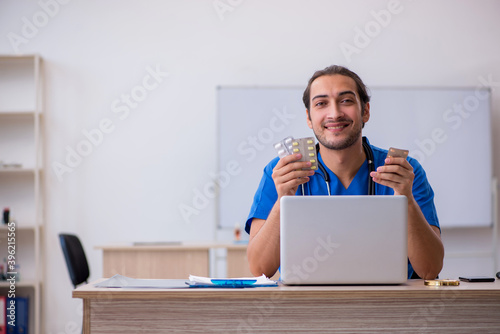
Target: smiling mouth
336, 126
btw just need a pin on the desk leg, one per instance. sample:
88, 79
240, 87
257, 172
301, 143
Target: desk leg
86, 316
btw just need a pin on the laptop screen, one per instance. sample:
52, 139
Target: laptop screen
344, 239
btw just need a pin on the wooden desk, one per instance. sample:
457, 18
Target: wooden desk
171, 261
414, 307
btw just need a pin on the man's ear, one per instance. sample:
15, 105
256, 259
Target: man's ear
309, 124
366, 114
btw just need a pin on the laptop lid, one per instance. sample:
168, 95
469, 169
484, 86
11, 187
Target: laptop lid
344, 239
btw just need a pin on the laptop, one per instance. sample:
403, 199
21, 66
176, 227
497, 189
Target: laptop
344, 240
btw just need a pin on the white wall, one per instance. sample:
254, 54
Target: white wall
131, 186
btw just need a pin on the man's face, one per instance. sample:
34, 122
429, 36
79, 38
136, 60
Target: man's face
335, 111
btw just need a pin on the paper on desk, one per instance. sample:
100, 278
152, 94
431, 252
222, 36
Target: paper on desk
119, 281
231, 282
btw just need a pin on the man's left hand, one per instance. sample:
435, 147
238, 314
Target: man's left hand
397, 173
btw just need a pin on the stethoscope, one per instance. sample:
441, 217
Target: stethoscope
371, 168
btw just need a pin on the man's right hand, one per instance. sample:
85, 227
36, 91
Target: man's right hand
288, 174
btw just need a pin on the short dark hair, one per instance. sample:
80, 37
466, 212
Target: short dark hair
332, 70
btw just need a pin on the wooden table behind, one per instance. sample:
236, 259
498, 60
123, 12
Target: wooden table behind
172, 261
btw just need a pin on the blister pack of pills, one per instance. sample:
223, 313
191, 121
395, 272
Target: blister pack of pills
396, 152
304, 146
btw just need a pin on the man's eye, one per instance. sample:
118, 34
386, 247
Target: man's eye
347, 101
319, 104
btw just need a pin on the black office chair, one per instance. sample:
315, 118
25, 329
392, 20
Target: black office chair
75, 258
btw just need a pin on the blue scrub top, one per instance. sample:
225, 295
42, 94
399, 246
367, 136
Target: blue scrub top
317, 184
266, 194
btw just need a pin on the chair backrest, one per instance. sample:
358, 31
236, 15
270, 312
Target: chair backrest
75, 258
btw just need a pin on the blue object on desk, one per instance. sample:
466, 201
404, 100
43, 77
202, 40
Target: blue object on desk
234, 282
231, 283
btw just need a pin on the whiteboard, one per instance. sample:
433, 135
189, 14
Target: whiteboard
448, 130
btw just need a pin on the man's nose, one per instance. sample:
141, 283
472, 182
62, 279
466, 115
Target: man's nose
334, 111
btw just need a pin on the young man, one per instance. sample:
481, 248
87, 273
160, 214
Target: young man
338, 106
